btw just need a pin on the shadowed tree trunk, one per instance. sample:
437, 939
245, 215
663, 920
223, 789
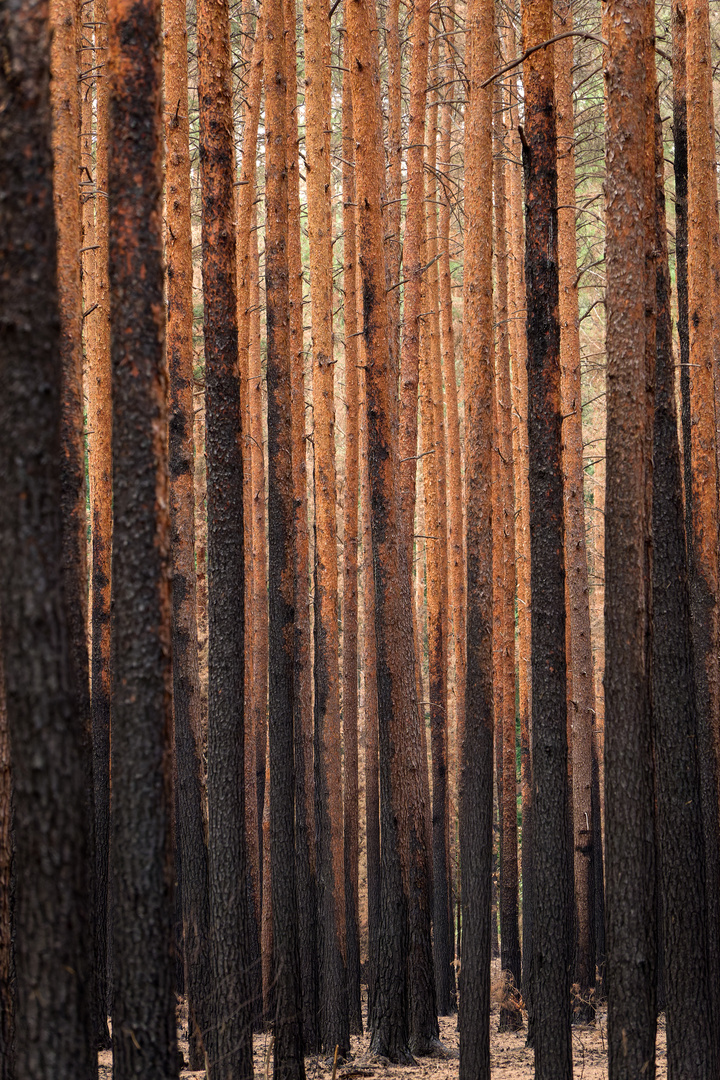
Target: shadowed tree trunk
181, 462
142, 863
230, 1043
552, 865
289, 1063
7, 1017
476, 767
581, 683
630, 338
53, 1003
679, 807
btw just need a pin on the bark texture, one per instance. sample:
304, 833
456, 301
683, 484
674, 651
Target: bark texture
476, 764
552, 865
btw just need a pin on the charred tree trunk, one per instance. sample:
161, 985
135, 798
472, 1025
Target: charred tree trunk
629, 827
679, 806
7, 1010
143, 969
552, 865
230, 1044
53, 1000
181, 462
476, 768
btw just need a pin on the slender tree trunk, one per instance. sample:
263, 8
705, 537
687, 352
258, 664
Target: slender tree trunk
504, 528
328, 792
629, 829
230, 1045
99, 435
143, 976
581, 684
289, 1063
302, 694
350, 565
7, 1010
476, 768
246, 286
181, 463
679, 805
519, 391
53, 1000
552, 866
702, 521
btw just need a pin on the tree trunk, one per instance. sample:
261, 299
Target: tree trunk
350, 566
328, 789
552, 866
702, 531
476, 768
143, 970
181, 463
230, 1047
302, 694
679, 806
54, 1023
99, 437
631, 903
581, 685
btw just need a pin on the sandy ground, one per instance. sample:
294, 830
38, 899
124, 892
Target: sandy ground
510, 1057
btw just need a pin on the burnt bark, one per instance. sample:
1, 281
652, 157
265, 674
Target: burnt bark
289, 1063
142, 863
552, 866
679, 808
230, 1042
630, 338
53, 1033
7, 1012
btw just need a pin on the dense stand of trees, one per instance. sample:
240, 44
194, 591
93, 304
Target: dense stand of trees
359, 567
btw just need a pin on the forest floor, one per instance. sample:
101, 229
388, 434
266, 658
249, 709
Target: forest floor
510, 1058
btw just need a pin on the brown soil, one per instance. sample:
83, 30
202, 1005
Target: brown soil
510, 1058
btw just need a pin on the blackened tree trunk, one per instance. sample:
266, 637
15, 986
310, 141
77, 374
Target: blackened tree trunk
7, 1019
289, 1063
143, 1006
629, 795
230, 1042
679, 808
476, 768
552, 865
53, 1034
195, 901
